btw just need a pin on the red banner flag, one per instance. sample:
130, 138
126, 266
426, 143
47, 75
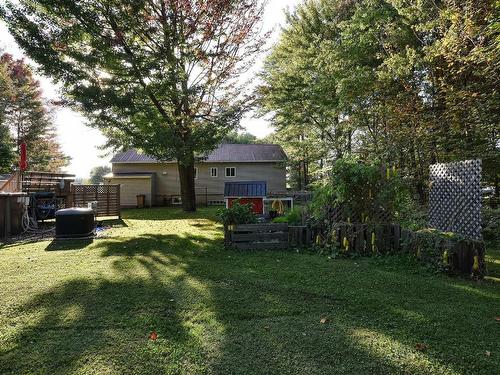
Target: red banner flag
23, 162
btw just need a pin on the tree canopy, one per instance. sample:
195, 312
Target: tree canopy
27, 118
161, 76
97, 174
400, 82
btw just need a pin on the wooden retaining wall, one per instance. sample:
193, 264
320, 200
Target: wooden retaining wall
452, 254
257, 236
268, 236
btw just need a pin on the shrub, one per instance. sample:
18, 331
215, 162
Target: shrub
491, 224
237, 214
293, 217
365, 193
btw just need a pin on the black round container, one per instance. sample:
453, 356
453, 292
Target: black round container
74, 223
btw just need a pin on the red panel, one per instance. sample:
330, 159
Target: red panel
257, 204
23, 162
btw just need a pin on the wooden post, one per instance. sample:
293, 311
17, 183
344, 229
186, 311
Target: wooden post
227, 236
397, 237
118, 201
8, 227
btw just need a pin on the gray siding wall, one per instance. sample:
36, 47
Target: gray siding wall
130, 188
167, 176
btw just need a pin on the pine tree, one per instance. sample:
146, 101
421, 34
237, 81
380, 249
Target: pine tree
28, 118
7, 155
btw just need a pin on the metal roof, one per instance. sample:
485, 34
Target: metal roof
229, 153
245, 189
129, 175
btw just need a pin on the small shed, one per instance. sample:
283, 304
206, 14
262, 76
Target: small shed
253, 192
132, 185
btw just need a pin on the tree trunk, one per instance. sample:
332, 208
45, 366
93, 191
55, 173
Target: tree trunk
188, 193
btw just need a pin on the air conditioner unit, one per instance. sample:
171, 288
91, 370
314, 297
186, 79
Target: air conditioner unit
176, 201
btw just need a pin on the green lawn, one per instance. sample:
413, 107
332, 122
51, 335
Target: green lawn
74, 307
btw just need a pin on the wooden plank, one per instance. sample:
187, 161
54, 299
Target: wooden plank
261, 245
254, 237
260, 228
297, 235
359, 240
397, 237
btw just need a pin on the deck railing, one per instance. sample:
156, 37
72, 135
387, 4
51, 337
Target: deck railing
12, 185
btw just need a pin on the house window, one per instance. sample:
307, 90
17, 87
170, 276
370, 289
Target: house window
195, 173
230, 172
214, 172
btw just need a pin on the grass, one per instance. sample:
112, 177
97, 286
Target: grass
80, 307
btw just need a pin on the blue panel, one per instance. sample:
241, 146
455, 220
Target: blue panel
245, 189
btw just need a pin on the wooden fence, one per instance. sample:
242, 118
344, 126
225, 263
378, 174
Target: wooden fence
12, 185
450, 253
257, 236
267, 236
453, 254
106, 196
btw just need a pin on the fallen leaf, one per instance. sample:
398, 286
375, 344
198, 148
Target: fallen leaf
421, 347
324, 320
153, 336
488, 353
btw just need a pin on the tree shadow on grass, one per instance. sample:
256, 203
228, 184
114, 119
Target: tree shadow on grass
266, 313
221, 312
99, 323
69, 245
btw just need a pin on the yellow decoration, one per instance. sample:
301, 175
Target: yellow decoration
346, 244
394, 170
370, 193
475, 267
418, 253
388, 173
373, 241
446, 257
318, 240
278, 206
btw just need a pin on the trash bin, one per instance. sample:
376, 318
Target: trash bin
141, 201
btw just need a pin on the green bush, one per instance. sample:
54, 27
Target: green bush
491, 224
293, 217
237, 214
365, 192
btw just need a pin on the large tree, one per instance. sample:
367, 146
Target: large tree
158, 75
405, 83
28, 117
6, 141
97, 174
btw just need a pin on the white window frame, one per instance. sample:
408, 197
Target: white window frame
229, 175
216, 172
195, 173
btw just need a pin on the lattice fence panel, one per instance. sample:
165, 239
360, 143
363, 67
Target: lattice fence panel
455, 198
106, 196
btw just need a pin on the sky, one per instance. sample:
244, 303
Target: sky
81, 142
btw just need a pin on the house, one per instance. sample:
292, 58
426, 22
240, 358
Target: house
140, 174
